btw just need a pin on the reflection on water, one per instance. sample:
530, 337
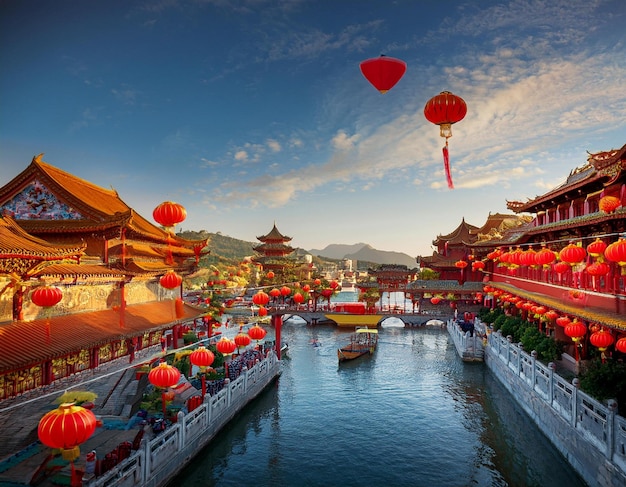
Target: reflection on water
411, 414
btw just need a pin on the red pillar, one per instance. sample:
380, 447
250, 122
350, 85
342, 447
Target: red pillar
277, 321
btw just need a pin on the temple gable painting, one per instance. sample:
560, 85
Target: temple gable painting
36, 202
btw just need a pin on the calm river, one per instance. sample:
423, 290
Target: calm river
413, 414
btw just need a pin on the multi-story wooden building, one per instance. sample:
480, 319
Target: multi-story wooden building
273, 251
106, 260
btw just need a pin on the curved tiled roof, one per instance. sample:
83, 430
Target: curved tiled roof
464, 233
274, 236
41, 340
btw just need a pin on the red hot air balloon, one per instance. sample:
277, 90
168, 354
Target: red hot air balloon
444, 110
383, 72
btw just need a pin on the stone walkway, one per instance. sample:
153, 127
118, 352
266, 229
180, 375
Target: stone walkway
20, 451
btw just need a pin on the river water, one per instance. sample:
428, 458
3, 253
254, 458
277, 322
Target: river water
413, 414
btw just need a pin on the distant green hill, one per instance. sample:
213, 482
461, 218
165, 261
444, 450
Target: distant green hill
226, 249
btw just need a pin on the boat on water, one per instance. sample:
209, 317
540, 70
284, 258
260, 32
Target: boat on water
363, 341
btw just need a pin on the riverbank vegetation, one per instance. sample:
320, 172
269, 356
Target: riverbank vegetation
601, 377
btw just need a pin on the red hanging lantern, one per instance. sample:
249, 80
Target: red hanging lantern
46, 296
608, 204
298, 298
225, 346
242, 340
572, 254
164, 375
261, 298
262, 311
306, 288
275, 292
596, 248
545, 257
445, 109
601, 339
598, 269
333, 284
575, 330
169, 214
478, 265
383, 72
616, 252
621, 345
270, 275
257, 333
285, 291
202, 357
327, 293
551, 315
435, 300
317, 282
561, 267
66, 428
170, 280
460, 264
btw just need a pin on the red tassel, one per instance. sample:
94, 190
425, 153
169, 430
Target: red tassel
446, 165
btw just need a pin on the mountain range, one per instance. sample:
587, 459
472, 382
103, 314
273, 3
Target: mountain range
223, 246
364, 252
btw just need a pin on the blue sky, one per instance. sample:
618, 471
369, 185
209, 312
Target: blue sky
252, 112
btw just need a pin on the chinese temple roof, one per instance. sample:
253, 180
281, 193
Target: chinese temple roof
274, 236
23, 254
463, 234
41, 340
601, 169
46, 200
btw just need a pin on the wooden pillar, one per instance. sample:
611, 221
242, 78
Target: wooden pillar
277, 322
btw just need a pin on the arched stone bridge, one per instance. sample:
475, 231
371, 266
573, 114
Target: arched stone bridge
409, 319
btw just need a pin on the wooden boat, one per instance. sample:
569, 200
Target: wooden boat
363, 341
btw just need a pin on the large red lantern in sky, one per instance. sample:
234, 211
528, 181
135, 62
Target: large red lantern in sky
169, 214
445, 109
383, 72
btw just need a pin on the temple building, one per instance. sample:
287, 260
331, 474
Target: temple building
273, 251
69, 238
570, 257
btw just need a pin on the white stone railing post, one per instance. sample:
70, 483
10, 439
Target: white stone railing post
180, 421
147, 458
228, 391
533, 371
509, 341
610, 428
551, 370
574, 418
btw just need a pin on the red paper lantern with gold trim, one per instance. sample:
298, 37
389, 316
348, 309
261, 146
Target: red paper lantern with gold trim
608, 204
262, 311
242, 339
435, 300
66, 428
601, 339
596, 248
383, 72
257, 333
572, 254
46, 296
598, 269
460, 264
261, 298
225, 346
621, 345
202, 357
545, 257
169, 214
561, 267
616, 252
575, 330
444, 110
170, 280
298, 298
164, 375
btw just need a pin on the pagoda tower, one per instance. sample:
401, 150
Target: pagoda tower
274, 250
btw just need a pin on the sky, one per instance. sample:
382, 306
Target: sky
251, 113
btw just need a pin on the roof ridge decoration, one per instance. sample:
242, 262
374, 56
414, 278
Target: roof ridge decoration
609, 163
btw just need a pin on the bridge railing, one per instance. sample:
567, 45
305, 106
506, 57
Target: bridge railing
599, 424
